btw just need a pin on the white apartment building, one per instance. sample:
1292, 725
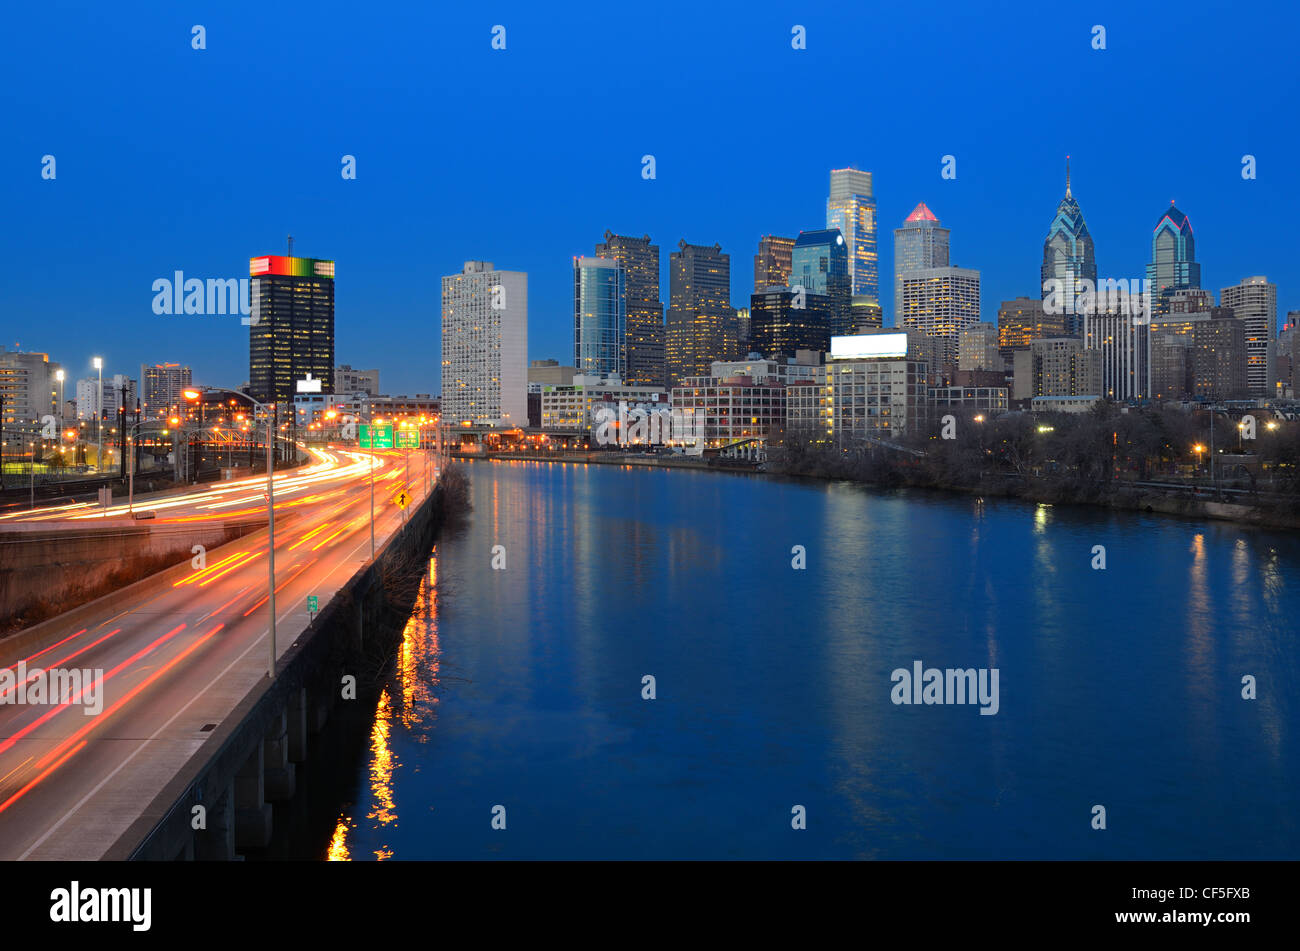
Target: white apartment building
485, 347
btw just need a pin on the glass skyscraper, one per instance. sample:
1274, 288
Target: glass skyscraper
1069, 259
644, 355
599, 317
819, 264
920, 243
1173, 259
851, 209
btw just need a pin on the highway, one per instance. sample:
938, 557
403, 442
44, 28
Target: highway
176, 660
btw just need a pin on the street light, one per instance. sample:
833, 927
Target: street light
194, 394
98, 364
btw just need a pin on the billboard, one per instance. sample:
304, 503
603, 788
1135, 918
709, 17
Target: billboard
865, 346
290, 267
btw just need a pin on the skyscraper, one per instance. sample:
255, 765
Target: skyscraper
784, 322
820, 265
1173, 259
852, 209
920, 243
1254, 301
941, 302
1069, 259
160, 387
1022, 321
701, 324
644, 357
291, 331
772, 263
599, 317
485, 346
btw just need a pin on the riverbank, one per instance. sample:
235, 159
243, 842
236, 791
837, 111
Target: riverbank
1181, 503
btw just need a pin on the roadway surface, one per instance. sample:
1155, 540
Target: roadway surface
180, 658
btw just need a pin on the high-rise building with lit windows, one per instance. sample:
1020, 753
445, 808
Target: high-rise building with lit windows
1173, 264
485, 347
941, 302
599, 317
1069, 260
291, 326
1254, 302
644, 350
851, 208
702, 324
819, 264
772, 263
920, 243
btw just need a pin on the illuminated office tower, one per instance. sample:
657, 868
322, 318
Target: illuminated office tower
291, 328
1173, 264
772, 263
702, 324
920, 243
644, 351
783, 321
1022, 320
599, 318
1069, 260
1254, 302
941, 302
820, 265
851, 209
160, 387
485, 347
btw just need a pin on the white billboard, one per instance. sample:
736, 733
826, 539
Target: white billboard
862, 346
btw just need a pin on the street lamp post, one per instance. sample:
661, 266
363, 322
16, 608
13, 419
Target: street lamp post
194, 394
98, 364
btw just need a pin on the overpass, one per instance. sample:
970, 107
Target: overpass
183, 655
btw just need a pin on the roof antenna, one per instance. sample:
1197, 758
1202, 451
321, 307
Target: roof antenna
1067, 176
291, 244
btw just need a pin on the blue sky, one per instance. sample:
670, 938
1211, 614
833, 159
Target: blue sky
174, 159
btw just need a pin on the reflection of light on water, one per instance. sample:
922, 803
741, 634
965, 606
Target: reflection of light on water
381, 764
338, 848
1041, 515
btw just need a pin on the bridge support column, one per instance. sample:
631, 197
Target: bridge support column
298, 726
252, 811
277, 771
216, 843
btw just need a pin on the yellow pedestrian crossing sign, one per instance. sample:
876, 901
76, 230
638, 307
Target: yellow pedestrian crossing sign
401, 499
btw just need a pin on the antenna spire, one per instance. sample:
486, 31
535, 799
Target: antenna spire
290, 245
1067, 176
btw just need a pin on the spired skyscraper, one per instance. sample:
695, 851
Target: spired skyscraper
291, 328
852, 209
644, 352
1069, 259
920, 243
1173, 264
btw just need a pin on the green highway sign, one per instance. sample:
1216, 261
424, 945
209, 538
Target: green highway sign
376, 437
408, 439
312, 603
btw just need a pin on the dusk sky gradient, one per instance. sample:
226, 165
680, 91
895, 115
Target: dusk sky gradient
174, 159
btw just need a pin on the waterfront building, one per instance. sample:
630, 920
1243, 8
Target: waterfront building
573, 408
484, 347
1058, 366
701, 323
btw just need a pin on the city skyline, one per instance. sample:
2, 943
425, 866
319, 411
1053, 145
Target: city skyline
997, 200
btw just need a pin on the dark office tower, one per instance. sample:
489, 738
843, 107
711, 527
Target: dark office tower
1173, 264
645, 311
291, 326
783, 322
1069, 259
772, 263
702, 323
820, 265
